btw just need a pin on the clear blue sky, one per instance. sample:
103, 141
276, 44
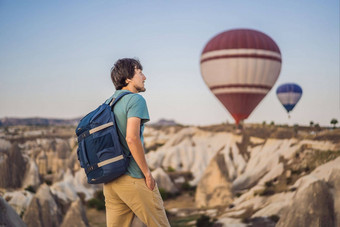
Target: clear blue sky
56, 56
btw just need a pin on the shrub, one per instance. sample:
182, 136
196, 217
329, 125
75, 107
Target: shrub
267, 192
187, 187
274, 218
98, 201
171, 169
296, 171
30, 189
165, 195
204, 221
289, 180
238, 194
269, 184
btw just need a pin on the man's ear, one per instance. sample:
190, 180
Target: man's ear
127, 81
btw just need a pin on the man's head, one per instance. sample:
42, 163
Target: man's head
128, 72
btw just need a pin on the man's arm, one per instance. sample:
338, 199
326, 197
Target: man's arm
135, 145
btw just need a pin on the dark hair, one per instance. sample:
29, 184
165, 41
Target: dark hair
124, 69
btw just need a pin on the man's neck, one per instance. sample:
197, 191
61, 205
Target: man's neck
128, 88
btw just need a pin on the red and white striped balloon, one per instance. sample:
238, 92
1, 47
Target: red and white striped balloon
240, 67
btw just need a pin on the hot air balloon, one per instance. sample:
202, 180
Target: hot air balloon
240, 66
289, 95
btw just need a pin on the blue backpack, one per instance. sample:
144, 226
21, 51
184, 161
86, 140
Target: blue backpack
99, 150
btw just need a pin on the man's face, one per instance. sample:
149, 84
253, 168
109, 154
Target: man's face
138, 80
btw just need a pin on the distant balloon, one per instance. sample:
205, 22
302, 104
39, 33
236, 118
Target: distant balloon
240, 67
289, 95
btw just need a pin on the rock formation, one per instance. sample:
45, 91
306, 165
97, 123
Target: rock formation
272, 178
19, 200
8, 217
12, 167
32, 177
63, 148
4, 145
312, 206
75, 216
43, 210
214, 188
71, 186
191, 149
164, 181
334, 182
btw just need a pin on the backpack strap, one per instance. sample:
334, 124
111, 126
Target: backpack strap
113, 101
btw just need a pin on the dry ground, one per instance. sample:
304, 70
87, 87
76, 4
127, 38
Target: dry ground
185, 201
96, 218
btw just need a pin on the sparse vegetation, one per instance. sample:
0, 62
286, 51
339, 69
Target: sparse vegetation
269, 184
274, 218
321, 157
154, 147
165, 195
267, 192
183, 221
317, 127
334, 122
171, 169
30, 189
187, 187
289, 180
296, 129
238, 194
98, 201
205, 221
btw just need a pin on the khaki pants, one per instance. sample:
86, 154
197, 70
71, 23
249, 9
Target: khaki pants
127, 196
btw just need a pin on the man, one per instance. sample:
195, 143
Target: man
136, 192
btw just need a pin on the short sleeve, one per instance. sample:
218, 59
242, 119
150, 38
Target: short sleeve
137, 108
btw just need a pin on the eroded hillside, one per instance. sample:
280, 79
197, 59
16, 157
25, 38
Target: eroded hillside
254, 175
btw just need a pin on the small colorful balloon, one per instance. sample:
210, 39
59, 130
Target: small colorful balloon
289, 95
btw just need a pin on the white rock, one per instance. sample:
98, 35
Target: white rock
272, 174
179, 180
32, 175
8, 216
263, 158
164, 181
214, 188
231, 222
68, 188
5, 144
64, 189
255, 140
320, 145
322, 172
192, 149
19, 200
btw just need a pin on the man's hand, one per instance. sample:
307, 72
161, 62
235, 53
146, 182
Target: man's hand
136, 147
150, 182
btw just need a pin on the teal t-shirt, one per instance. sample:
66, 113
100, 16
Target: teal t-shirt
131, 105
